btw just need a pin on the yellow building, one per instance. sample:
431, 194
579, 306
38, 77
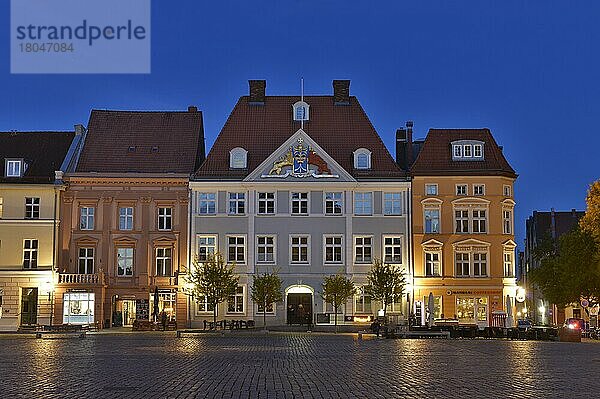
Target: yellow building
463, 228
29, 203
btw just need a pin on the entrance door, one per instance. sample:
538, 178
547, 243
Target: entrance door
128, 312
299, 309
29, 299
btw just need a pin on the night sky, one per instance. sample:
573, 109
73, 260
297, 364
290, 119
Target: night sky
527, 70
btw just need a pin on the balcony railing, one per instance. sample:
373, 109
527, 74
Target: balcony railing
89, 279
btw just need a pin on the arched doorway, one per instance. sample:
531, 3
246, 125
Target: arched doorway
299, 304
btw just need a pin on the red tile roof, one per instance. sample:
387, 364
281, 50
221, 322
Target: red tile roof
261, 129
144, 142
43, 153
435, 157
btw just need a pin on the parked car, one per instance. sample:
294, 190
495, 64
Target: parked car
524, 324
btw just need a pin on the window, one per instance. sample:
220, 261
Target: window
479, 221
167, 300
432, 221
461, 189
86, 261
300, 111
467, 151
478, 189
236, 249
507, 221
238, 158
334, 203
461, 221
266, 203
431, 189
126, 218
362, 302
363, 249
78, 307
363, 203
299, 249
235, 302
207, 203
165, 218
207, 246
237, 203
392, 203
299, 203
478, 151
334, 249
32, 208
457, 151
462, 264
433, 266
13, 168
392, 249
164, 261
508, 264
265, 249
30, 254
362, 159
203, 305
506, 190
260, 308
124, 262
86, 218
480, 264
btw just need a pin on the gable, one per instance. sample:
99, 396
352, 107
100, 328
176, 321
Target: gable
299, 158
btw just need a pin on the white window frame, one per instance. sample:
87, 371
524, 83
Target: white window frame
396, 244
359, 302
31, 253
163, 258
360, 155
236, 203
11, 171
333, 201
165, 218
472, 254
238, 298
238, 158
126, 218
300, 246
462, 262
88, 259
334, 246
462, 220
265, 246
238, 248
394, 201
479, 264
300, 200
431, 209
467, 151
457, 151
508, 263
265, 201
477, 148
434, 264
203, 307
305, 114
207, 203
479, 189
506, 190
432, 186
507, 221
87, 216
460, 191
204, 242
362, 245
125, 257
366, 198
32, 207
479, 224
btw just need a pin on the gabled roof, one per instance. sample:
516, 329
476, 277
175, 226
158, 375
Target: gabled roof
42, 152
435, 157
143, 142
261, 129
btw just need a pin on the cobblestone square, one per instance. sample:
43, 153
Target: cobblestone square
293, 366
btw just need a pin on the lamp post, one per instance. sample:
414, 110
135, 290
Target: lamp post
49, 287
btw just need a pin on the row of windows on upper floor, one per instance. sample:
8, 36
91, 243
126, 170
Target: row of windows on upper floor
462, 189
467, 220
238, 158
333, 203
467, 263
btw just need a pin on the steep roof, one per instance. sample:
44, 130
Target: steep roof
435, 156
42, 153
261, 129
143, 142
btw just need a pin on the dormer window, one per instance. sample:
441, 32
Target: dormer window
238, 158
300, 111
13, 168
362, 159
467, 150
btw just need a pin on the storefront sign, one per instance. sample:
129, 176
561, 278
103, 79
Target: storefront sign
142, 309
471, 292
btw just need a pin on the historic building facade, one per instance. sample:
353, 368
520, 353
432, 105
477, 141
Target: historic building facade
123, 241
463, 227
304, 186
29, 219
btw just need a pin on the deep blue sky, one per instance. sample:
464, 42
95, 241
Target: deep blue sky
527, 70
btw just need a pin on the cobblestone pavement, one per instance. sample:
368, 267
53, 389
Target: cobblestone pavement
293, 366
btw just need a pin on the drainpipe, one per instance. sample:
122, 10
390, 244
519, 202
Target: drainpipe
410, 250
189, 252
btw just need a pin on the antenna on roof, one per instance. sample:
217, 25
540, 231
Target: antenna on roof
302, 99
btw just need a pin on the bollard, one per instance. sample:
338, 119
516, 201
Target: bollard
360, 336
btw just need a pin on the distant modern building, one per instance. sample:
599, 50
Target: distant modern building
305, 186
463, 226
539, 226
29, 221
123, 239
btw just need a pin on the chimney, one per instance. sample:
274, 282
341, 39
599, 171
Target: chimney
192, 108
341, 92
409, 146
257, 91
553, 223
401, 145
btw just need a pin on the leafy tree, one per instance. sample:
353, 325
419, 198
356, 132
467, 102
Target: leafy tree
569, 270
386, 283
214, 279
590, 222
266, 289
337, 288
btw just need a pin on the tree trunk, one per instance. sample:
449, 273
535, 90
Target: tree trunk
335, 313
215, 315
265, 315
